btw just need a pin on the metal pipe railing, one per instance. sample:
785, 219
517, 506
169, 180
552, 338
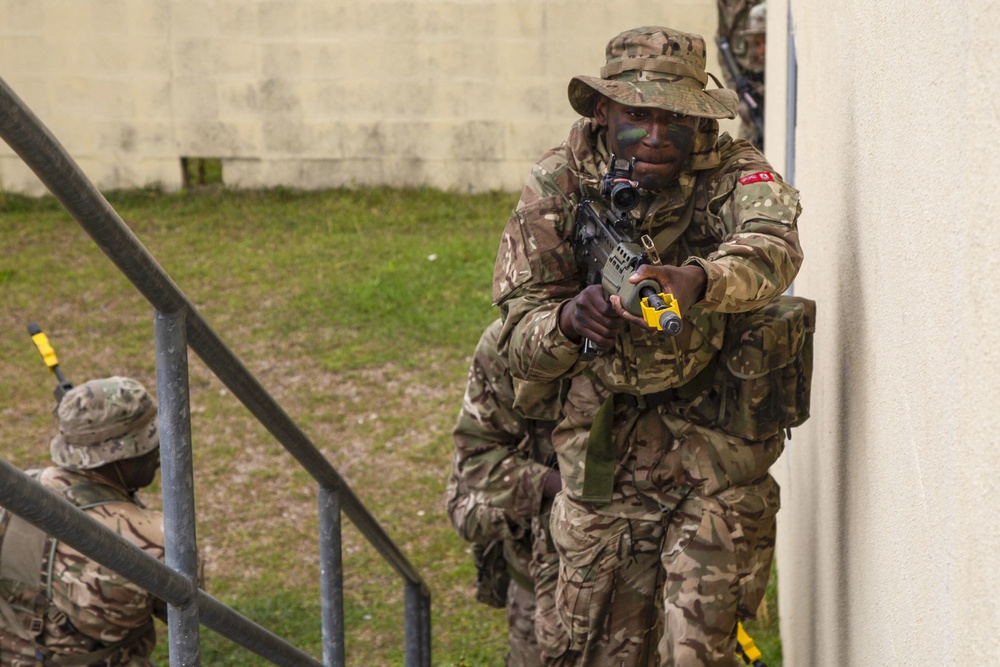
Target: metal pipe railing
43, 154
331, 558
177, 477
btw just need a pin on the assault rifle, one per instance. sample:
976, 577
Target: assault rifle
41, 341
606, 253
744, 89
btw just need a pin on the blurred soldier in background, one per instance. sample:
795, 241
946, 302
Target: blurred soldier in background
743, 25
58, 607
499, 496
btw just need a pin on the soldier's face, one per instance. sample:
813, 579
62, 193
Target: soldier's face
139, 472
660, 141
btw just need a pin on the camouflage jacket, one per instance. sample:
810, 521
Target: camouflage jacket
91, 606
500, 459
728, 212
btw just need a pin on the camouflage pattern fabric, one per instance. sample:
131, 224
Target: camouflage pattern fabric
742, 231
733, 22
654, 67
523, 648
102, 421
550, 633
707, 562
494, 491
91, 606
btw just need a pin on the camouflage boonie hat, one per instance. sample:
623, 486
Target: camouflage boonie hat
655, 67
103, 421
756, 20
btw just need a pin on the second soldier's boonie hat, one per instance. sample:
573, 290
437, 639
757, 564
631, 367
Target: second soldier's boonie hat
756, 20
655, 67
103, 421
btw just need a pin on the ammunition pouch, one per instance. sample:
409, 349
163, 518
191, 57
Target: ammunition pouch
759, 383
492, 574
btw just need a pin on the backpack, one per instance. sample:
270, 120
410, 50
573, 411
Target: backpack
26, 560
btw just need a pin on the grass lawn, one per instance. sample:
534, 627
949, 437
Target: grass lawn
358, 312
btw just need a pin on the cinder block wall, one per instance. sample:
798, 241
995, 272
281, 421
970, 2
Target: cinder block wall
459, 95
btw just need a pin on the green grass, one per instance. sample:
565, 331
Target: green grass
764, 631
357, 310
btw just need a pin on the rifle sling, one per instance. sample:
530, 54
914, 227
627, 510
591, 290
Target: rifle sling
666, 236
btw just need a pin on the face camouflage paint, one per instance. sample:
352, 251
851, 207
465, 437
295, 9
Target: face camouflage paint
681, 136
630, 134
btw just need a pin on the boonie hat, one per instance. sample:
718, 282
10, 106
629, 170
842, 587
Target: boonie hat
655, 67
102, 421
756, 20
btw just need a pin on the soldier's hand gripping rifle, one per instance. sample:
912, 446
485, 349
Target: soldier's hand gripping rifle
606, 253
41, 341
743, 88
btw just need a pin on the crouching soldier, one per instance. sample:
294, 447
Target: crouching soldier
499, 496
58, 607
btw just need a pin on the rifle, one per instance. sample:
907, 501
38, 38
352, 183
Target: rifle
606, 253
744, 89
41, 341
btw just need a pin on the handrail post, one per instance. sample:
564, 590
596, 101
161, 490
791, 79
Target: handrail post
177, 478
331, 564
417, 613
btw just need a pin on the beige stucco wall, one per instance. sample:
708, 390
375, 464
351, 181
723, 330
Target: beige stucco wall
459, 94
889, 543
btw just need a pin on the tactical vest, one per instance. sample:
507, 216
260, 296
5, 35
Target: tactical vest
749, 375
27, 558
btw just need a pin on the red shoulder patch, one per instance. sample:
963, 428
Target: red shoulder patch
759, 177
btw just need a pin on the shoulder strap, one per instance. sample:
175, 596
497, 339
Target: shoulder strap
131, 640
86, 495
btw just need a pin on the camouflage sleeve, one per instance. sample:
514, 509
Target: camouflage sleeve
98, 602
760, 255
494, 470
536, 273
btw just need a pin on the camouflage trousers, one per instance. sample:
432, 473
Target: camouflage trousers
523, 648
534, 626
644, 593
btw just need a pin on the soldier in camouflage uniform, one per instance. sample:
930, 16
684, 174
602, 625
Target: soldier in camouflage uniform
665, 526
499, 495
743, 24
57, 607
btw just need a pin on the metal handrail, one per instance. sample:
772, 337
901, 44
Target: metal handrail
179, 325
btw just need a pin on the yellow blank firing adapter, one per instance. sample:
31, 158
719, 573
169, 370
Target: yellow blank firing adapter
662, 312
747, 649
41, 341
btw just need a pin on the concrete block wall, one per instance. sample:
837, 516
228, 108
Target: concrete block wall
453, 94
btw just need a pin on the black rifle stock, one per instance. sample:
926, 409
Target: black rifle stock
744, 89
608, 256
